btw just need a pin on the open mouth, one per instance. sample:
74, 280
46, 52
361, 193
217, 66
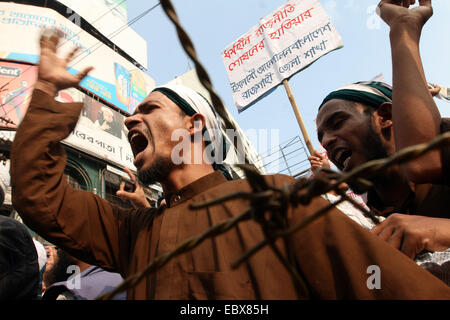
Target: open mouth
342, 158
138, 142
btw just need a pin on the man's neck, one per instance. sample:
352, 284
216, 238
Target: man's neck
181, 177
393, 188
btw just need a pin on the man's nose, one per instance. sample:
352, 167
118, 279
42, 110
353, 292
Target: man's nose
328, 140
132, 120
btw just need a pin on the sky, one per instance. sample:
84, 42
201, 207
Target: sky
213, 25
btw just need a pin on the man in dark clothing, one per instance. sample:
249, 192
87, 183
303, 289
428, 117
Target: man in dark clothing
68, 278
365, 121
19, 268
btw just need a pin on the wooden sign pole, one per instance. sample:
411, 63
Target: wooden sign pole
298, 116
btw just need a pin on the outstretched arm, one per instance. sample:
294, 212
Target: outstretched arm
415, 115
82, 223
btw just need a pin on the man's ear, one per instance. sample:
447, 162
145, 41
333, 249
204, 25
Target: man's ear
196, 123
384, 113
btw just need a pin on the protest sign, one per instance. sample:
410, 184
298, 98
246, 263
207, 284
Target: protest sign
283, 43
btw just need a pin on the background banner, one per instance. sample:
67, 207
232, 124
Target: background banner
114, 79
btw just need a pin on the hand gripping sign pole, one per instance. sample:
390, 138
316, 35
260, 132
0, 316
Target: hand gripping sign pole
299, 117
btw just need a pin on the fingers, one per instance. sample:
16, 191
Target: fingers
401, 236
409, 247
131, 175
55, 38
425, 3
386, 233
84, 73
379, 228
317, 154
395, 239
435, 90
315, 164
125, 195
137, 199
50, 39
44, 41
315, 160
137, 185
122, 186
385, 10
72, 54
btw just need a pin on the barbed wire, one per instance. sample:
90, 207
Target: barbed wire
269, 206
277, 201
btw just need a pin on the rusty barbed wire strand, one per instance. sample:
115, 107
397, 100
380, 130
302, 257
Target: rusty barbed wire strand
375, 166
366, 212
289, 193
235, 264
6, 120
269, 224
202, 74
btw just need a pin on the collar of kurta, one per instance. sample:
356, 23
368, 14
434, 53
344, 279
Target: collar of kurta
198, 186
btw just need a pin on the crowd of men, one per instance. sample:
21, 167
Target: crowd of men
355, 124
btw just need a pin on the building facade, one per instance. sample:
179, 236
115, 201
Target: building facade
97, 150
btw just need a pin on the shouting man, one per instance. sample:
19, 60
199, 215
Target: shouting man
333, 254
370, 120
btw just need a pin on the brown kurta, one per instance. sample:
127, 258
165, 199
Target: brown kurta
333, 253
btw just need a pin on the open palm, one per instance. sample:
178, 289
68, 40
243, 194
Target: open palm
53, 69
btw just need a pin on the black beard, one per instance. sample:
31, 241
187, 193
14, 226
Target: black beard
374, 150
158, 172
59, 271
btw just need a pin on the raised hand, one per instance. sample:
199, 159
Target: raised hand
318, 161
52, 73
397, 12
137, 197
434, 91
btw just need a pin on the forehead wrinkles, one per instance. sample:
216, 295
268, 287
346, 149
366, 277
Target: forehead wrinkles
335, 106
159, 99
